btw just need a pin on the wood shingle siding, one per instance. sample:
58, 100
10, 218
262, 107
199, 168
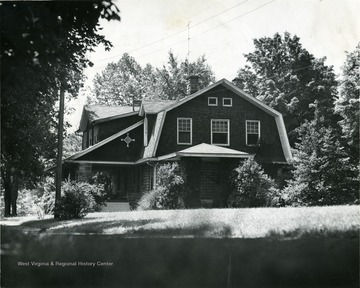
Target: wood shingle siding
270, 148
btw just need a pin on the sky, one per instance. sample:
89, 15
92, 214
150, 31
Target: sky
222, 30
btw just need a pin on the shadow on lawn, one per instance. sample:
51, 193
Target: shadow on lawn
165, 262
135, 228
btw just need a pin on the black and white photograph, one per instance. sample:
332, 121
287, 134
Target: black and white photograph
188, 143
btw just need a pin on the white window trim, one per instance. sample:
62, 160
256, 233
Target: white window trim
177, 129
246, 132
228, 138
216, 98
230, 105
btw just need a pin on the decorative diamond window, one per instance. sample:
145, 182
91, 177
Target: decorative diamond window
127, 140
184, 131
252, 132
220, 132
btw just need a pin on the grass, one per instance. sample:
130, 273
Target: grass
180, 248
213, 223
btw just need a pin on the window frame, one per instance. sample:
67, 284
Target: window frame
177, 130
223, 102
246, 132
91, 143
213, 105
228, 132
96, 135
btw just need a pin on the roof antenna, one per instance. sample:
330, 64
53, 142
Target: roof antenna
188, 53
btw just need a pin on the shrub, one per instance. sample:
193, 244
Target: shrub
252, 187
170, 189
102, 178
27, 202
78, 199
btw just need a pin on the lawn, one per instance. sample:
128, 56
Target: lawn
233, 223
264, 247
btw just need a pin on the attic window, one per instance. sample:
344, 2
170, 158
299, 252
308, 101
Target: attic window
220, 132
212, 101
184, 131
227, 102
252, 132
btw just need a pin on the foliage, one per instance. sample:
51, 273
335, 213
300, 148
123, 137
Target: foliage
119, 83
148, 200
39, 201
347, 105
323, 174
102, 178
126, 80
27, 203
285, 76
173, 77
252, 187
72, 144
43, 46
78, 199
170, 189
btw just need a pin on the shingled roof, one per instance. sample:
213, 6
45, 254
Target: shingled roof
154, 106
103, 113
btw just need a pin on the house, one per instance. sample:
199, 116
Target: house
208, 132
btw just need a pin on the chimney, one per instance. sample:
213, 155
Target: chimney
193, 83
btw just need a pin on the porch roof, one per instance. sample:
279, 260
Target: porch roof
207, 150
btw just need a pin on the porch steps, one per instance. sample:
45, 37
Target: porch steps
116, 207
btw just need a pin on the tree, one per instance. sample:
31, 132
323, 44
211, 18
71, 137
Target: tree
173, 78
252, 187
322, 172
43, 44
72, 144
347, 104
126, 80
285, 76
118, 84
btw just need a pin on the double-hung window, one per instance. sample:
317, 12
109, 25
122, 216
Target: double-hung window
252, 132
184, 131
220, 132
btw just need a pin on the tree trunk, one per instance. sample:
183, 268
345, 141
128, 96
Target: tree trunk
60, 148
14, 192
7, 197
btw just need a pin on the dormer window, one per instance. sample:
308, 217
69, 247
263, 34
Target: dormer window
184, 131
227, 102
252, 132
212, 101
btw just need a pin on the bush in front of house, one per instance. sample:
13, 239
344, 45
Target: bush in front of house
102, 178
170, 189
78, 199
39, 201
252, 187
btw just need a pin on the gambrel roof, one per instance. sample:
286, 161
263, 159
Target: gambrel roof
97, 114
227, 84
